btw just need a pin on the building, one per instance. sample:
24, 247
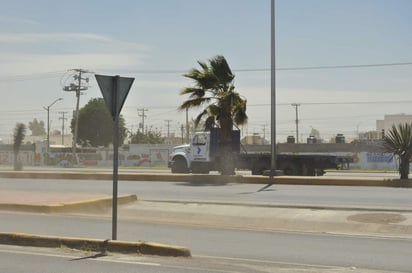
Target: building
388, 121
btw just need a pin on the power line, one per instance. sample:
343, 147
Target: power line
329, 67
335, 103
288, 103
180, 71
37, 111
53, 74
32, 76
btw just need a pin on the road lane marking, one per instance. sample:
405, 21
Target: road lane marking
266, 261
66, 256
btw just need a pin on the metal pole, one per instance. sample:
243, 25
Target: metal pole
63, 119
187, 125
296, 105
48, 122
273, 90
115, 161
76, 126
48, 129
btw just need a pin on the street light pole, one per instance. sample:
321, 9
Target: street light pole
48, 123
273, 89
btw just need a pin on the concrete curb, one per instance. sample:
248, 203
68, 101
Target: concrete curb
144, 248
97, 204
281, 206
213, 179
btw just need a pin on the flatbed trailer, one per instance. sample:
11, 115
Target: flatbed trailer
293, 164
205, 154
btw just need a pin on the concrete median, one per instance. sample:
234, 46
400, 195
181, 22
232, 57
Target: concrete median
96, 245
97, 204
215, 179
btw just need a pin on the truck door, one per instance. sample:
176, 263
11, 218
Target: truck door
200, 148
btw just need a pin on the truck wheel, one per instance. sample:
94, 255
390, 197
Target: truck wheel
289, 168
179, 165
259, 168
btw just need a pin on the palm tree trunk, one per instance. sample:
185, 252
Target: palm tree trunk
228, 164
404, 167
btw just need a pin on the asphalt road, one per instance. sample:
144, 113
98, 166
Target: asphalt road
276, 195
227, 244
36, 260
269, 247
23, 260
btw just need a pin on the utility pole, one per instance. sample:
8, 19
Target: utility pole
142, 115
168, 127
182, 130
63, 119
73, 87
264, 134
187, 125
296, 105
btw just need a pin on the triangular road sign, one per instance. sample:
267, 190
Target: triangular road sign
114, 90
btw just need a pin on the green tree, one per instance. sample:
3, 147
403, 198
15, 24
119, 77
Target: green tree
37, 128
399, 142
223, 107
19, 134
96, 125
151, 137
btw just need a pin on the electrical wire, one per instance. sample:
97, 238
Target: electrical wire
53, 74
176, 71
32, 76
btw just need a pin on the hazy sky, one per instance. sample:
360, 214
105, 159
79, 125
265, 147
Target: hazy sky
156, 41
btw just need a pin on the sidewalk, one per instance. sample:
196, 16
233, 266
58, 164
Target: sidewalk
232, 216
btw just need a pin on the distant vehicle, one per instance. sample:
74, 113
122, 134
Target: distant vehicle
204, 154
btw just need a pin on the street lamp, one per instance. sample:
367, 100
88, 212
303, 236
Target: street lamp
48, 122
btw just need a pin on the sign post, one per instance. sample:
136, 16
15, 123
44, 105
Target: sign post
114, 90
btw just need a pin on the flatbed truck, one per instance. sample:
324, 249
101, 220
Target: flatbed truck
205, 154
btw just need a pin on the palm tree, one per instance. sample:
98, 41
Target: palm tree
214, 91
399, 142
19, 134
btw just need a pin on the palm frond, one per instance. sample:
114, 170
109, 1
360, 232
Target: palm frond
210, 123
221, 70
196, 102
193, 92
399, 139
213, 85
199, 117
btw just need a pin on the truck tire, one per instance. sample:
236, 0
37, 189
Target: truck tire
259, 168
289, 168
179, 165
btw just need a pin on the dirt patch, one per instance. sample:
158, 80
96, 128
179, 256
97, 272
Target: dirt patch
377, 218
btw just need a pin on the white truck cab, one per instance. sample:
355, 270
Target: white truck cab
193, 157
